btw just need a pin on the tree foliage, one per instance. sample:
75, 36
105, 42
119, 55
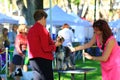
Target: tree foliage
76, 2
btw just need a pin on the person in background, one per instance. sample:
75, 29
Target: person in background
1, 47
1, 40
41, 48
26, 59
68, 36
110, 58
20, 50
11, 36
4, 43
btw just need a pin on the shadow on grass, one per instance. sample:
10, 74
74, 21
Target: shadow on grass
93, 75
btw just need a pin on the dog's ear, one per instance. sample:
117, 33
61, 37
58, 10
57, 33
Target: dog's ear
56, 49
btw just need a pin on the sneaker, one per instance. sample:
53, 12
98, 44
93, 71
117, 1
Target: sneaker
18, 72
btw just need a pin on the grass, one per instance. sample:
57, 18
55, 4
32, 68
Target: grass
94, 75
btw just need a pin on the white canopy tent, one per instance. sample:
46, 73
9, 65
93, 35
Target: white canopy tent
81, 22
114, 24
59, 17
83, 29
6, 19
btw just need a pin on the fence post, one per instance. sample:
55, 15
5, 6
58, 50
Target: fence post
6, 49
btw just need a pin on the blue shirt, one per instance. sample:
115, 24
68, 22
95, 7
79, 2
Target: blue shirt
11, 37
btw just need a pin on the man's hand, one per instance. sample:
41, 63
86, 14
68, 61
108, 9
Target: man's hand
57, 43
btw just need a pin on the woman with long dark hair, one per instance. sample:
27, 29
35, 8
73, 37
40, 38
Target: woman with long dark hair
110, 58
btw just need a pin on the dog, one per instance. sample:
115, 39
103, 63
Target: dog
63, 60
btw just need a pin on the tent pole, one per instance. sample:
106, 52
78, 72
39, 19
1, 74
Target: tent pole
50, 17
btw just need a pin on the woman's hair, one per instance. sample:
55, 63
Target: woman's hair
21, 28
39, 14
65, 26
103, 26
14, 26
4, 29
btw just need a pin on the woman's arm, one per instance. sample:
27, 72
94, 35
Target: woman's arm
85, 46
17, 45
106, 53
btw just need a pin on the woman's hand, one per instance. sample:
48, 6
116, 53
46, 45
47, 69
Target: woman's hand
21, 54
72, 49
88, 56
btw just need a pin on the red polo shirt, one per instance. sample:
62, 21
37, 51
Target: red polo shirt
40, 43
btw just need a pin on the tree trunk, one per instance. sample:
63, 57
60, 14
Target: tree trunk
85, 9
31, 10
22, 8
27, 12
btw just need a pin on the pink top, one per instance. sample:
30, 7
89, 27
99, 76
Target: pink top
21, 42
111, 68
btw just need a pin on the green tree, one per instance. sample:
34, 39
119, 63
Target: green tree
77, 2
83, 11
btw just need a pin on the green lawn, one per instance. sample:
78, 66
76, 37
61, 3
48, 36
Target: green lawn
94, 75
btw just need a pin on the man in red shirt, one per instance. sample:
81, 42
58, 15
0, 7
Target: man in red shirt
41, 48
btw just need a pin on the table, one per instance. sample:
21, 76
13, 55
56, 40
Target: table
75, 71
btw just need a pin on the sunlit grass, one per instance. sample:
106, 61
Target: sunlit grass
93, 75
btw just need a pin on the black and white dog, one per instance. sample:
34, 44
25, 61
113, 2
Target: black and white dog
63, 58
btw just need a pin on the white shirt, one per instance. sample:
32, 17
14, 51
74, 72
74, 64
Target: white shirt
68, 36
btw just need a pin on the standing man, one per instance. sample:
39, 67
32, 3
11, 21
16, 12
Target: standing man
67, 34
12, 36
41, 48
